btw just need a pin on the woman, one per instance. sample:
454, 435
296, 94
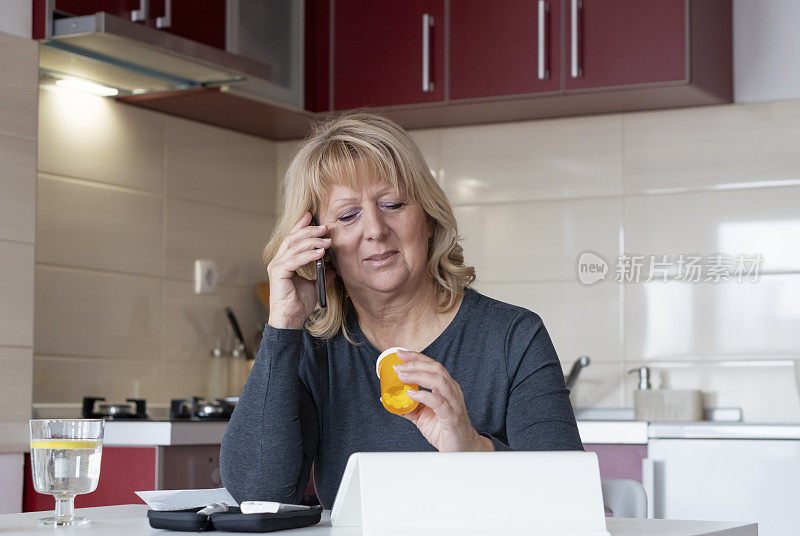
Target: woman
395, 277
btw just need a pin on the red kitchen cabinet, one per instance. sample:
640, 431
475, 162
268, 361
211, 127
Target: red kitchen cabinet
384, 50
496, 48
77, 8
123, 470
619, 42
504, 47
619, 460
203, 22
554, 57
317, 55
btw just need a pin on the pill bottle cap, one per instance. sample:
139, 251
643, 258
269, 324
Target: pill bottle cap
388, 351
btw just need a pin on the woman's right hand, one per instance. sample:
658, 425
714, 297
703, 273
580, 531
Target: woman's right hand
291, 297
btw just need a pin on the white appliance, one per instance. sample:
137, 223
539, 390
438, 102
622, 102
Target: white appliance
754, 480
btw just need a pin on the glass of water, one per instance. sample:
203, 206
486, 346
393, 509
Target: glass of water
65, 460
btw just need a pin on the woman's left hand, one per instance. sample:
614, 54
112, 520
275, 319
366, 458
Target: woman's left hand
441, 415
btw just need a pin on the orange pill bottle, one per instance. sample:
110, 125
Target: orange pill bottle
393, 391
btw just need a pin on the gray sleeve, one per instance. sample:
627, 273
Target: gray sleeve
539, 415
271, 440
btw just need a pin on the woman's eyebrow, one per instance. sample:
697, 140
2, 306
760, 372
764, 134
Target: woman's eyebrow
349, 199
343, 200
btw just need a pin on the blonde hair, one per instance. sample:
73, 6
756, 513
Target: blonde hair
326, 157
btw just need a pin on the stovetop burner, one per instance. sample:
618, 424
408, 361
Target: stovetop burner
197, 409
194, 408
135, 409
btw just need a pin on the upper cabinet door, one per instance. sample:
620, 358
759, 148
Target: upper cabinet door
203, 21
621, 42
504, 47
386, 50
119, 8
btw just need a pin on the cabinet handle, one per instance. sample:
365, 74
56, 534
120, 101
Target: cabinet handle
166, 20
543, 71
575, 68
427, 24
140, 15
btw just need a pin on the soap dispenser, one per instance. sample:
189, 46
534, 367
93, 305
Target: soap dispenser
664, 405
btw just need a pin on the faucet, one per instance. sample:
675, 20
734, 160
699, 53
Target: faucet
572, 377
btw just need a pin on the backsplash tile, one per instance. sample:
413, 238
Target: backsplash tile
20, 67
205, 377
89, 137
89, 313
533, 160
284, 151
15, 382
128, 200
580, 319
429, 143
705, 181
681, 320
67, 379
97, 226
18, 199
762, 221
709, 146
16, 291
538, 240
219, 166
193, 322
233, 238
529, 198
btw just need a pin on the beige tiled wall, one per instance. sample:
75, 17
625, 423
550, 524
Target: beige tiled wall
127, 200
18, 63
531, 196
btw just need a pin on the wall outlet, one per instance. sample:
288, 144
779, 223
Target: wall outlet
206, 276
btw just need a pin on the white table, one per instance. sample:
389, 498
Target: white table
130, 520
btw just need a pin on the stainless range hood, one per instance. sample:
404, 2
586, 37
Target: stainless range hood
136, 59
158, 70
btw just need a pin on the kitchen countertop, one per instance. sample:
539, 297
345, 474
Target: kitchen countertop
163, 433
166, 433
613, 432
723, 430
132, 520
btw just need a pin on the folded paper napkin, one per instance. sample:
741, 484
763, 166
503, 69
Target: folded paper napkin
184, 499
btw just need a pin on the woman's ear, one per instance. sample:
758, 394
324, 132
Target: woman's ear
431, 225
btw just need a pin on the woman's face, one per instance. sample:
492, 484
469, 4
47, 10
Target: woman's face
380, 238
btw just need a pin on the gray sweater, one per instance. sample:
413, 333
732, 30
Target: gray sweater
309, 400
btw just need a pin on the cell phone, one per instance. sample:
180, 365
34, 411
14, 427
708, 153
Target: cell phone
321, 291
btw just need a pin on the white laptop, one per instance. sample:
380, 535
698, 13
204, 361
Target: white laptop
474, 493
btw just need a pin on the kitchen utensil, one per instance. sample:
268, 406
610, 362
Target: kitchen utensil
238, 333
